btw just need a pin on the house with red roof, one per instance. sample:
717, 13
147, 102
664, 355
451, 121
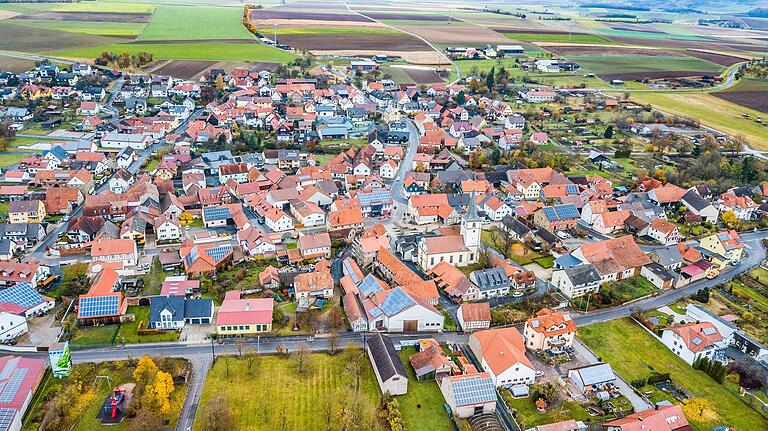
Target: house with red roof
549, 330
19, 379
102, 304
239, 316
660, 418
501, 352
695, 340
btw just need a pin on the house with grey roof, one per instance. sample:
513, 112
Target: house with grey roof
389, 370
596, 377
668, 257
175, 311
576, 281
700, 206
492, 282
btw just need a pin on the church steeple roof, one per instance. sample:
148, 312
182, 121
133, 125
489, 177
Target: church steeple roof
471, 214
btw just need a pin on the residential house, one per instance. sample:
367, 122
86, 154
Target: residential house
660, 418
549, 330
474, 316
492, 282
242, 317
557, 217
501, 352
175, 311
315, 245
700, 206
430, 362
26, 211
594, 378
691, 341
121, 251
725, 246
102, 304
664, 232
316, 284
576, 281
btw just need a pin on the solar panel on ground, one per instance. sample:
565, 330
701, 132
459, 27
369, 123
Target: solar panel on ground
97, 306
473, 390
22, 294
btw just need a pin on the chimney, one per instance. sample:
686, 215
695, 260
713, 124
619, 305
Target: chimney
656, 406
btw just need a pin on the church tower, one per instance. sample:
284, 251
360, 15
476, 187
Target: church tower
471, 227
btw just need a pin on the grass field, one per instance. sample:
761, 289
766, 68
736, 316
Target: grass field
560, 37
89, 27
422, 406
104, 6
258, 400
44, 40
611, 64
711, 111
89, 336
128, 332
190, 51
635, 354
195, 23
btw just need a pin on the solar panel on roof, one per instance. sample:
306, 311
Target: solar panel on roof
219, 253
98, 306
473, 390
349, 271
696, 341
22, 294
597, 374
396, 301
217, 213
369, 285
550, 213
12, 386
567, 211
571, 189
710, 331
6, 418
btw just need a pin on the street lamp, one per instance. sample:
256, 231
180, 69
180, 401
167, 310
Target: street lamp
213, 351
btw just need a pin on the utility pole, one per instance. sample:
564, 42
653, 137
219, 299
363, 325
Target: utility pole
275, 27
589, 295
213, 351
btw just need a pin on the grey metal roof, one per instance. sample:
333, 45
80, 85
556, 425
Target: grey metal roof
668, 256
582, 275
692, 198
385, 357
594, 374
473, 389
493, 278
197, 308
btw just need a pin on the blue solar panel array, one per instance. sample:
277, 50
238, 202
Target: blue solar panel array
571, 189
474, 390
22, 294
6, 418
560, 212
219, 253
396, 302
98, 306
348, 270
369, 285
217, 213
376, 196
11, 386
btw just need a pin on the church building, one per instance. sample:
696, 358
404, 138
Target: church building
458, 250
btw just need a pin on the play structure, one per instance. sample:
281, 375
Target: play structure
115, 406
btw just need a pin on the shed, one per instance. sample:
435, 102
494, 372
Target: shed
389, 370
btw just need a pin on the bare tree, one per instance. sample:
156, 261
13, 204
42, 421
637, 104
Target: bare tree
251, 358
302, 359
333, 341
218, 414
354, 358
239, 345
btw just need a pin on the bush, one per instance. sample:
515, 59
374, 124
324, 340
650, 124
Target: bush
714, 369
658, 378
637, 383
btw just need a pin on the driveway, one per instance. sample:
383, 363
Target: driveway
637, 401
42, 331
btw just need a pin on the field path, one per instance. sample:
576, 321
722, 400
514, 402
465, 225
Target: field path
458, 71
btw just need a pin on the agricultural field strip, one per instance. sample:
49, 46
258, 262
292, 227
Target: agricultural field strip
178, 23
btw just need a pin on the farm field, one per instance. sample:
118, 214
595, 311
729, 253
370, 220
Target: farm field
455, 33
44, 40
712, 111
281, 391
118, 29
16, 65
557, 37
635, 354
7, 159
638, 67
105, 6
751, 93
176, 23
190, 51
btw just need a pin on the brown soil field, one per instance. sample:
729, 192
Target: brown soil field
270, 14
607, 50
408, 16
364, 41
659, 74
456, 34
184, 69
423, 76
16, 65
723, 60
633, 27
87, 16
266, 25
688, 44
528, 31
757, 100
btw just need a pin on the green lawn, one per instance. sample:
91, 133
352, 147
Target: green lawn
90, 336
195, 23
105, 6
638, 63
259, 400
422, 406
560, 37
635, 354
527, 415
90, 27
128, 330
190, 51
154, 279
10, 159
